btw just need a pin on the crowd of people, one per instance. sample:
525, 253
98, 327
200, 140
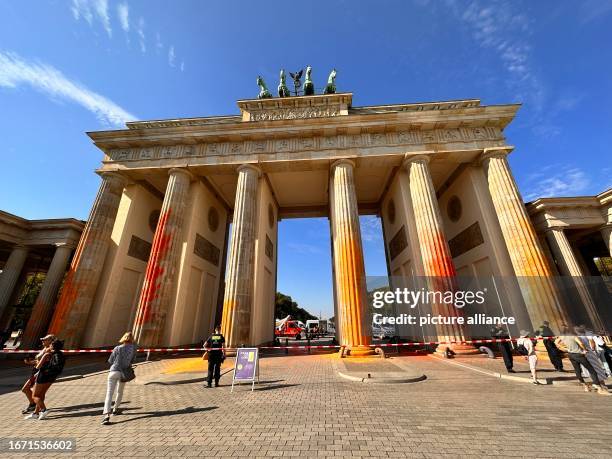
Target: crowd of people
589, 353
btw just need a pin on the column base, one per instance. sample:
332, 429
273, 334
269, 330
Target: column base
360, 351
457, 349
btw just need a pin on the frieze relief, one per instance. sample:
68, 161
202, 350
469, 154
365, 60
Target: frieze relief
365, 140
294, 113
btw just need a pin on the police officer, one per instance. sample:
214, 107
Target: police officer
504, 347
216, 356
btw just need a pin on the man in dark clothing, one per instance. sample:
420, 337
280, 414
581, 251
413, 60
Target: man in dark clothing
504, 347
553, 351
216, 355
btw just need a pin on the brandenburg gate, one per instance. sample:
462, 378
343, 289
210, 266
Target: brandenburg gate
183, 231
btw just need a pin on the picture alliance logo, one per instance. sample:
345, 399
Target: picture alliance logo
412, 298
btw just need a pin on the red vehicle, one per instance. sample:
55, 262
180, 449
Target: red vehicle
289, 329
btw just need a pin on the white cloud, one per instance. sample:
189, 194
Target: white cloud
556, 180
141, 35
171, 56
371, 228
123, 13
15, 71
88, 8
182, 66
80, 8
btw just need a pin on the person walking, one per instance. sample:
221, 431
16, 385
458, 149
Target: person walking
120, 372
587, 337
553, 352
29, 384
49, 368
216, 355
530, 355
576, 352
504, 347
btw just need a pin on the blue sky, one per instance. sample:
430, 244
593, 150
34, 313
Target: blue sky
67, 67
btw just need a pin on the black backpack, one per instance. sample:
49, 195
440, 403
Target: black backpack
521, 349
55, 366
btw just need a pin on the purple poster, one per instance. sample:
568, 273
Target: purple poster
246, 364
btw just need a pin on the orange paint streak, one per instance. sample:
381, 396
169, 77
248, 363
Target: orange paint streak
150, 291
226, 323
70, 292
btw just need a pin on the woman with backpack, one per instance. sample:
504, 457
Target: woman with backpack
49, 368
120, 372
28, 387
525, 347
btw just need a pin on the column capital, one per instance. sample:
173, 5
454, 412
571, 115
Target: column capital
252, 167
20, 247
343, 161
495, 152
114, 175
410, 158
181, 170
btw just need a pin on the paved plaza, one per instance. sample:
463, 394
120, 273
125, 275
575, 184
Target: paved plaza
302, 408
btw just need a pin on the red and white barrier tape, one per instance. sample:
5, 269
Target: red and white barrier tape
305, 346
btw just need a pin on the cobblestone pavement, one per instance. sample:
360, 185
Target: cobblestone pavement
303, 409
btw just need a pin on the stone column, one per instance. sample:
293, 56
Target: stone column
10, 274
528, 260
606, 234
437, 260
238, 297
355, 328
43, 307
568, 266
158, 288
77, 295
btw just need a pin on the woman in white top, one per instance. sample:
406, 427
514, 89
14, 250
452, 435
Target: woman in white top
531, 356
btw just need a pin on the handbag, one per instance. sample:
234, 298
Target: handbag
127, 374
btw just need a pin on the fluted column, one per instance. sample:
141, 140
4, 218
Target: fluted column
355, 329
43, 307
435, 252
72, 309
10, 274
238, 298
606, 234
160, 276
526, 255
568, 266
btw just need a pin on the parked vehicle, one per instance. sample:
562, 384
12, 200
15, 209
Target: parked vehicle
318, 327
382, 331
290, 329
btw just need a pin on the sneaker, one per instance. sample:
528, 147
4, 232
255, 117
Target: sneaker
31, 416
587, 387
28, 409
42, 415
537, 383
116, 411
603, 390
106, 420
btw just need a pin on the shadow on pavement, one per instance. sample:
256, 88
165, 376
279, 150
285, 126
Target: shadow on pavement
174, 383
158, 414
81, 414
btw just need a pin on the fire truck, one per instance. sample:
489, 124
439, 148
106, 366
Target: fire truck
288, 328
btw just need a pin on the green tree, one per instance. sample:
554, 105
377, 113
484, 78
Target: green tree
285, 306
